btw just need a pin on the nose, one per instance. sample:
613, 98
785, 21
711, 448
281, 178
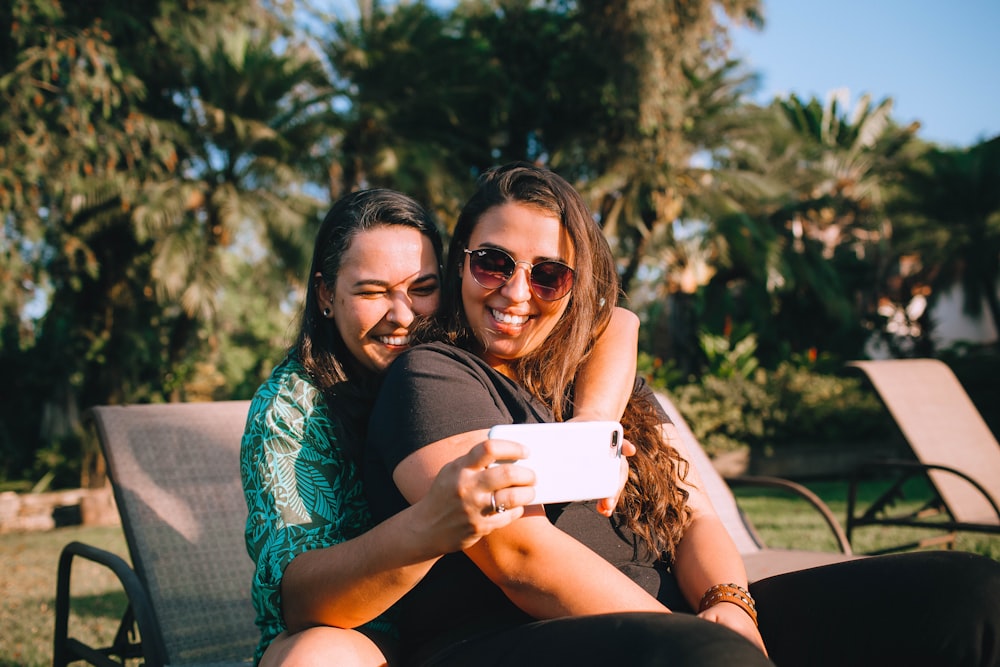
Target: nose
518, 288
400, 311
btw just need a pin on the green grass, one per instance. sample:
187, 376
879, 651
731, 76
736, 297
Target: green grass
784, 521
28, 563
28, 590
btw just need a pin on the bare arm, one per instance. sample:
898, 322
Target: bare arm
707, 556
351, 583
604, 382
543, 570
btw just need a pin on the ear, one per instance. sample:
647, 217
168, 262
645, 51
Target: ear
324, 295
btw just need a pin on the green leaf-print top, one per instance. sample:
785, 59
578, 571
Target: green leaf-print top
302, 490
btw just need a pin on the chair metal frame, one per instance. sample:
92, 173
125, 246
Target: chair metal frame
174, 470
760, 560
955, 452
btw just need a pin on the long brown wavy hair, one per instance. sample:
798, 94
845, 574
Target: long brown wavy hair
654, 504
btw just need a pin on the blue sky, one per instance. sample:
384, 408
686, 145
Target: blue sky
939, 62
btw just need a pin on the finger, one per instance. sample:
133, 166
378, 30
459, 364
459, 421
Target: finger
512, 497
504, 475
606, 506
628, 449
492, 451
491, 507
501, 519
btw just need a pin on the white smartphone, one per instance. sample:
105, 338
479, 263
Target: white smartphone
572, 460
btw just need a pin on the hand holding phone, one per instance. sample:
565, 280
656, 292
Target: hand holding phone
571, 460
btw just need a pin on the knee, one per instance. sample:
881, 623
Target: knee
983, 589
967, 604
322, 646
966, 581
684, 639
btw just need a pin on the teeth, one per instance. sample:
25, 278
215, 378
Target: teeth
394, 340
505, 318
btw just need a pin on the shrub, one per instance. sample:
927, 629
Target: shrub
728, 414
822, 409
788, 407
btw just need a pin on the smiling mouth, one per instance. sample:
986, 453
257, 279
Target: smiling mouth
507, 318
394, 341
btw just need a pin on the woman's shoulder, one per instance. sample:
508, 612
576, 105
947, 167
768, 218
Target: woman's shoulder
438, 357
438, 349
288, 388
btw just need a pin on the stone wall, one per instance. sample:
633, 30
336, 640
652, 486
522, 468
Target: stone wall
44, 511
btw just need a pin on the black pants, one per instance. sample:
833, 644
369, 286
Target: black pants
639, 639
934, 608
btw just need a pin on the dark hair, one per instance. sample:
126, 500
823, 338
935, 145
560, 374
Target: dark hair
653, 506
320, 347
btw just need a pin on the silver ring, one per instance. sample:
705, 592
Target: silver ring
497, 509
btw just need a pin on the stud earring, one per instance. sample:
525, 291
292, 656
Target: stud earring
326, 313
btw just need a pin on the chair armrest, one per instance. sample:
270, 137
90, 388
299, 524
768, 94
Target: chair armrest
916, 467
66, 649
802, 492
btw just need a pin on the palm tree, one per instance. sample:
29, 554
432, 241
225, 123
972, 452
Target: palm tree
78, 151
668, 60
850, 158
607, 94
253, 121
949, 216
415, 101
796, 212
854, 163
152, 180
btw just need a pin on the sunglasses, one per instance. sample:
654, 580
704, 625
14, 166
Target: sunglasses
493, 268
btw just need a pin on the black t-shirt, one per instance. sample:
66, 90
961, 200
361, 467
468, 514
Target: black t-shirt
433, 392
430, 393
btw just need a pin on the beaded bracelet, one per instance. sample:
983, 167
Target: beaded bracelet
733, 593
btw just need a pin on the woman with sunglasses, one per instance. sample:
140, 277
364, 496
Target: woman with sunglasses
322, 564
529, 282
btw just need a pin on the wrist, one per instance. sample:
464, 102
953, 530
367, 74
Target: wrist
733, 594
416, 539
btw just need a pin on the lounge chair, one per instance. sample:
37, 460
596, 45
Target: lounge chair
760, 560
175, 473
954, 449
174, 469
